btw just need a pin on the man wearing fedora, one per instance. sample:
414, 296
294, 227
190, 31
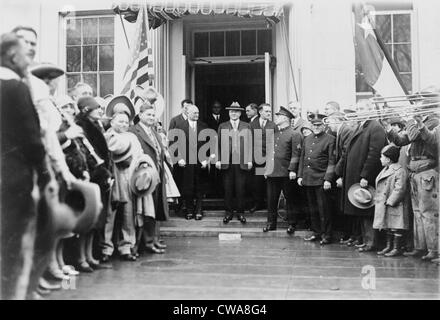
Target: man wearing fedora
120, 142
235, 160
316, 174
282, 167
194, 170
361, 164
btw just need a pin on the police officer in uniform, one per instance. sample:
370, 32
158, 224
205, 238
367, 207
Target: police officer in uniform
316, 173
282, 167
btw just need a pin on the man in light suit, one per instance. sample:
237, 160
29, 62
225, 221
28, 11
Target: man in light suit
235, 160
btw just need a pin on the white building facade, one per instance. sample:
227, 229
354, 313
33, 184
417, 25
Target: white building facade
308, 55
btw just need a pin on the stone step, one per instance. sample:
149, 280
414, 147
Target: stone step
217, 221
221, 213
215, 231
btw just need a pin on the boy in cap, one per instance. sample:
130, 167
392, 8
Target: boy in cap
316, 173
389, 210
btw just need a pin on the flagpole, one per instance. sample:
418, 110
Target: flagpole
125, 32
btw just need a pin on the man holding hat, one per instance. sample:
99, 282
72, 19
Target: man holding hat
281, 167
235, 159
316, 174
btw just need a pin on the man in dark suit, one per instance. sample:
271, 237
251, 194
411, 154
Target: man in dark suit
281, 168
213, 121
235, 160
252, 112
178, 122
259, 127
316, 174
361, 164
23, 155
194, 170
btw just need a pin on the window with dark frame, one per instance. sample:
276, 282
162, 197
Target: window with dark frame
232, 43
395, 31
90, 53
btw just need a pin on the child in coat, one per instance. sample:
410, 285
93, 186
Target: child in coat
391, 189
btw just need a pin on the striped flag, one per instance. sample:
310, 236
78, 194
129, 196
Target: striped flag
379, 69
139, 70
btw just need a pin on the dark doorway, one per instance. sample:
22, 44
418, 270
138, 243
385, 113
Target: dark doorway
243, 83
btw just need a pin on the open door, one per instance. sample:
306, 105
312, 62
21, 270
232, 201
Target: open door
188, 79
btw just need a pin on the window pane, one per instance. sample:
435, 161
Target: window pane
90, 79
401, 28
73, 59
383, 27
217, 44
72, 80
106, 30
105, 84
232, 43
201, 44
106, 58
402, 57
89, 58
264, 41
73, 32
90, 31
248, 42
407, 81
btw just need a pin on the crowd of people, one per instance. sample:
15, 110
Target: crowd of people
84, 176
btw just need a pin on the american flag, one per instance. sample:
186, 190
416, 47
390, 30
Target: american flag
140, 68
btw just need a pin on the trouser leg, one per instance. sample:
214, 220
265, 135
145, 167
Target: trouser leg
18, 232
368, 231
429, 207
419, 233
287, 188
240, 188
325, 212
149, 231
313, 210
128, 232
273, 195
107, 246
228, 184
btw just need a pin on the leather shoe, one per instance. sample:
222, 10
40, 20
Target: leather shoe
105, 258
269, 227
291, 229
253, 209
367, 248
431, 255
46, 285
360, 245
199, 216
311, 238
84, 267
189, 216
128, 257
153, 249
325, 241
414, 253
227, 218
160, 245
242, 219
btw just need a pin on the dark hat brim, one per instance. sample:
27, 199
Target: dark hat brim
234, 108
120, 99
47, 72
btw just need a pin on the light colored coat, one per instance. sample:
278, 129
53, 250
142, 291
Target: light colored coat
391, 190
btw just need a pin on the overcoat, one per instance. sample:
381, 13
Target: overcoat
391, 189
159, 195
362, 160
259, 139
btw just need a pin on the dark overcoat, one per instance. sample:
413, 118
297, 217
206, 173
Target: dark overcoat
362, 160
259, 139
159, 195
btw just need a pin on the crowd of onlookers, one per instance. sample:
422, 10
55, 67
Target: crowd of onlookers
85, 176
